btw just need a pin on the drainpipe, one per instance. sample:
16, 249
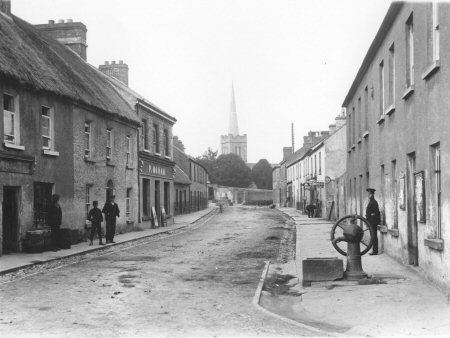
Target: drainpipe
137, 168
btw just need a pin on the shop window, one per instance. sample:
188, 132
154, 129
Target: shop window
146, 197
128, 205
42, 199
129, 146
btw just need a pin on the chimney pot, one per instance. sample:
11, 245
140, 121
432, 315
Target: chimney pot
113, 62
5, 7
120, 62
106, 62
69, 20
51, 22
60, 21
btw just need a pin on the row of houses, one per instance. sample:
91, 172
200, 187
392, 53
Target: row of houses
313, 174
79, 131
397, 137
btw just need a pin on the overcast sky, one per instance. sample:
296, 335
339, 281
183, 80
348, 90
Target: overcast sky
290, 61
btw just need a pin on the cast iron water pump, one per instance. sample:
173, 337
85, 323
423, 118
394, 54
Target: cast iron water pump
354, 234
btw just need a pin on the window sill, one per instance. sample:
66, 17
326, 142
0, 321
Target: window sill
146, 151
109, 163
50, 152
408, 92
366, 134
88, 159
434, 243
383, 229
130, 222
431, 69
349, 150
381, 119
393, 232
157, 154
13, 146
129, 167
168, 157
353, 146
390, 110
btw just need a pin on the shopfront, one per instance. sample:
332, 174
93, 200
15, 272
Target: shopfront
157, 190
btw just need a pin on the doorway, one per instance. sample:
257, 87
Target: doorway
413, 249
157, 200
10, 219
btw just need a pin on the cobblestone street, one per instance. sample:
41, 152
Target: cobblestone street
200, 282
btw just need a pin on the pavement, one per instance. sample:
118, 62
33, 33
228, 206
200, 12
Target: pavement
21, 263
396, 300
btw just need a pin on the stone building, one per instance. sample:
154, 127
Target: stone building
199, 185
397, 140
64, 129
233, 143
155, 158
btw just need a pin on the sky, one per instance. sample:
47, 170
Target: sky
290, 61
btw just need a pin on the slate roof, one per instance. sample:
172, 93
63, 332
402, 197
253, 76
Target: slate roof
181, 177
36, 60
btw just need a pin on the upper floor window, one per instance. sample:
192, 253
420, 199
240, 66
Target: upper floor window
47, 127
128, 204
10, 119
391, 66
129, 150
320, 163
156, 147
166, 143
366, 108
87, 139
409, 52
382, 92
435, 30
109, 143
145, 134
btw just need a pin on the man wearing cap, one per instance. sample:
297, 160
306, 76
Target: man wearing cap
111, 211
373, 216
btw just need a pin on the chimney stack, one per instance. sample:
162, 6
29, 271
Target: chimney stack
118, 71
69, 33
5, 7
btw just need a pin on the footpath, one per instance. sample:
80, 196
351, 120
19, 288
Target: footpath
17, 264
400, 303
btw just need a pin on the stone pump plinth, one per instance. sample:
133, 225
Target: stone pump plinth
355, 230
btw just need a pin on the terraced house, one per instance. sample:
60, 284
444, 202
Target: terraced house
398, 136
65, 129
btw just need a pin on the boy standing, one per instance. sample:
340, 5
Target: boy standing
96, 218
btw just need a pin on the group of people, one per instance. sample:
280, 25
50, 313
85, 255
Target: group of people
110, 209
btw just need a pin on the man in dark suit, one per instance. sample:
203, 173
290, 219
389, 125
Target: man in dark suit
54, 219
111, 211
373, 216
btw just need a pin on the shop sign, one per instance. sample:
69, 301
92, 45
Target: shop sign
154, 170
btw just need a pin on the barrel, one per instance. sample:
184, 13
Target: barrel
34, 241
75, 235
64, 238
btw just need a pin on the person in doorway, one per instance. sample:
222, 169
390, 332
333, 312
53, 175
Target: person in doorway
96, 218
373, 216
111, 211
54, 220
310, 208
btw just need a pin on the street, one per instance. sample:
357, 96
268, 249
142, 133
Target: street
196, 283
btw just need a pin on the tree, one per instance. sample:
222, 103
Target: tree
209, 161
262, 174
232, 171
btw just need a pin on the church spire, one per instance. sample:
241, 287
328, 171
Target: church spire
233, 126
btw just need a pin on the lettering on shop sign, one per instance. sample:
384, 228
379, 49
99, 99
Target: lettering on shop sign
156, 170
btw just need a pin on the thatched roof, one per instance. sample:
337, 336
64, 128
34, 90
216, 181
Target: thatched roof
42, 63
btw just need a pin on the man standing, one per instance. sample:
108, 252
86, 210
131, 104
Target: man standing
111, 211
96, 218
373, 216
54, 219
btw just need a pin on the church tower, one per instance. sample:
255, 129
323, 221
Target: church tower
233, 143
